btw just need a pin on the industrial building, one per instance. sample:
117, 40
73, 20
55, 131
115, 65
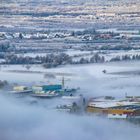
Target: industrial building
117, 109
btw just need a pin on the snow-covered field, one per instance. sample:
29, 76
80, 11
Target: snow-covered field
120, 78
21, 120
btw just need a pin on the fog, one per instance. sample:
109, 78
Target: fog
24, 122
21, 120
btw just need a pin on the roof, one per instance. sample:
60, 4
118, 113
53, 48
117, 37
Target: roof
110, 104
128, 107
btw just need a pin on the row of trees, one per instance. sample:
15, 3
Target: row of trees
125, 58
52, 60
6, 47
96, 58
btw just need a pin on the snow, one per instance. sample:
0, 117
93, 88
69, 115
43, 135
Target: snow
33, 55
73, 52
90, 78
110, 104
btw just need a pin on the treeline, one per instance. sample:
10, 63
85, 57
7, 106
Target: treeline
96, 58
118, 48
125, 58
52, 60
58, 59
6, 47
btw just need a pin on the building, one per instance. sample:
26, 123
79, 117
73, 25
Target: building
46, 88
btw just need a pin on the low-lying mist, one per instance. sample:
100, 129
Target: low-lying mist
19, 119
27, 122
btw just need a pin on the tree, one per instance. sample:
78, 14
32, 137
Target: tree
117, 58
28, 67
20, 36
83, 61
92, 59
